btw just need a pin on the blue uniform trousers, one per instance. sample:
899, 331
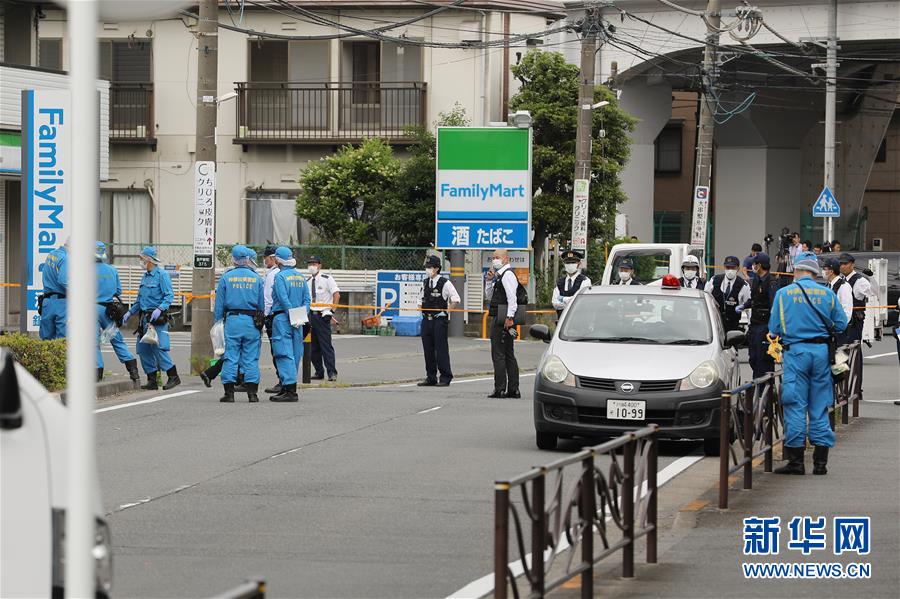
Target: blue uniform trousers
321, 350
757, 345
117, 342
154, 357
807, 392
53, 318
287, 345
437, 350
242, 342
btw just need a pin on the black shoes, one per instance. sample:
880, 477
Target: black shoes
288, 393
174, 380
205, 378
252, 397
131, 366
497, 394
274, 390
794, 456
99, 374
229, 394
332, 377
443, 384
317, 377
151, 382
513, 395
426, 383
820, 460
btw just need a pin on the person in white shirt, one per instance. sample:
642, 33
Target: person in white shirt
862, 292
502, 288
569, 284
729, 290
831, 270
438, 296
690, 274
324, 290
626, 273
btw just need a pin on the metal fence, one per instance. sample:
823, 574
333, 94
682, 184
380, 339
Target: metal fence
336, 257
752, 416
560, 527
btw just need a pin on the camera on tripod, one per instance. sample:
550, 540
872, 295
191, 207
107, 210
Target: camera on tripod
785, 240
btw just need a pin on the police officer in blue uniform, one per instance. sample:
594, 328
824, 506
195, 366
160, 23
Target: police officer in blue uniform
438, 295
289, 291
804, 315
239, 301
52, 304
109, 288
154, 297
762, 294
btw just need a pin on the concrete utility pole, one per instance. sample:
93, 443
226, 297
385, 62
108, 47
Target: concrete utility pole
706, 124
589, 30
207, 83
830, 109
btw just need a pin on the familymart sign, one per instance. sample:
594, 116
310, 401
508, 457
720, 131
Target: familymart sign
483, 188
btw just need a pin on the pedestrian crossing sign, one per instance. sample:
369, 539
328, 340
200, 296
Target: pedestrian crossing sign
826, 205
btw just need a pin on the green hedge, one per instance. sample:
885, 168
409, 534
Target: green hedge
45, 360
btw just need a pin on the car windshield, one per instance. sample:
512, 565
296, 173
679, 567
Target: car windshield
650, 264
635, 318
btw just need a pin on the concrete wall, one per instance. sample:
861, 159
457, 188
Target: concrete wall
740, 215
882, 197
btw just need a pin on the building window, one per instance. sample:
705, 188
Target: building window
881, 154
272, 218
126, 61
670, 227
50, 54
668, 149
125, 223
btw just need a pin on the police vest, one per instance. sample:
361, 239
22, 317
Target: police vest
701, 283
761, 299
576, 285
498, 295
858, 304
433, 299
727, 304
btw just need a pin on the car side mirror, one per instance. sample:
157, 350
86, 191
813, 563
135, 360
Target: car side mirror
540, 331
735, 338
10, 401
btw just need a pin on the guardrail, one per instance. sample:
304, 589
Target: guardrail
576, 514
752, 416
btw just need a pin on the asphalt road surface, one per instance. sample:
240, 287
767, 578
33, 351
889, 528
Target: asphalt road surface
381, 491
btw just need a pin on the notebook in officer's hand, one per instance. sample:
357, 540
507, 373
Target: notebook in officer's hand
519, 318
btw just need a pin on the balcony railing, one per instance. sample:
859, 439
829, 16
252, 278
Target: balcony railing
327, 112
131, 113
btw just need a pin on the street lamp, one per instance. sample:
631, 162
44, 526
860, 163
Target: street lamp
522, 119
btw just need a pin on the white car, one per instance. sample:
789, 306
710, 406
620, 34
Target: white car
626, 356
33, 463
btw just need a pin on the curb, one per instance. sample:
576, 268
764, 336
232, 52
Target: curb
107, 388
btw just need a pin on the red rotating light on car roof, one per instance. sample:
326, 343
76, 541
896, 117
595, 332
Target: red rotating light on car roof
670, 282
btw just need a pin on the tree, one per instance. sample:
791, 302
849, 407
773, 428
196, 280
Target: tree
550, 92
342, 195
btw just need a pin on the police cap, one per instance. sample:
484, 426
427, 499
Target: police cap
572, 256
626, 263
732, 262
847, 258
831, 264
763, 260
433, 261
313, 260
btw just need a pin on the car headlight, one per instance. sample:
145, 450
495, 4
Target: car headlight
704, 375
556, 372
101, 552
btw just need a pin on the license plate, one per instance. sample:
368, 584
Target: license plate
618, 409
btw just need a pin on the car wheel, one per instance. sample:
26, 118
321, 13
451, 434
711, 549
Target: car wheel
545, 440
711, 447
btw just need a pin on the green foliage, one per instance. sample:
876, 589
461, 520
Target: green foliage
550, 92
45, 360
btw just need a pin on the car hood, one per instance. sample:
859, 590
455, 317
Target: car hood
635, 361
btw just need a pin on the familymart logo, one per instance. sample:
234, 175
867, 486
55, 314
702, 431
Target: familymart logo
485, 192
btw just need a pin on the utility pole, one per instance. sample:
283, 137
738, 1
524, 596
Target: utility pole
207, 83
706, 124
581, 189
830, 109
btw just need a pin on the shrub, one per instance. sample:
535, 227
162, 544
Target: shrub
45, 360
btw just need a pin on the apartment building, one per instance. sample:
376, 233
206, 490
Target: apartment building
282, 102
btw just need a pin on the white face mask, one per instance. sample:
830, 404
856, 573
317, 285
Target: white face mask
497, 263
689, 274
314, 269
625, 275
571, 267
430, 272
730, 274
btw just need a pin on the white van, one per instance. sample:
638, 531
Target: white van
652, 261
33, 464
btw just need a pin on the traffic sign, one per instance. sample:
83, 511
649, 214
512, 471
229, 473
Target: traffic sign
826, 205
483, 188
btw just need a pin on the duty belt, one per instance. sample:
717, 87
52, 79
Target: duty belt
818, 340
250, 313
54, 294
277, 312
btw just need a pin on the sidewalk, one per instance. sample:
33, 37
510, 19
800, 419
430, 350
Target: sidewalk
701, 552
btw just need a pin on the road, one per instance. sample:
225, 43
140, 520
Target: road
380, 491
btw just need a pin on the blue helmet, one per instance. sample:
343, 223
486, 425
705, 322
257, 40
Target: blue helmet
239, 252
284, 253
149, 253
100, 251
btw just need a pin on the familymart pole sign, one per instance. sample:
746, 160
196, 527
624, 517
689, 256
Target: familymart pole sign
483, 188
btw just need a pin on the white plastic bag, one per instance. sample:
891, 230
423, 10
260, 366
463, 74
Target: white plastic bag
108, 333
217, 336
151, 337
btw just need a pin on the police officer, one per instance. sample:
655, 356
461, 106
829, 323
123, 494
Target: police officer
502, 288
239, 301
438, 295
268, 285
109, 288
154, 297
831, 271
569, 284
289, 291
626, 273
762, 293
804, 314
324, 290
729, 290
52, 306
690, 274
861, 290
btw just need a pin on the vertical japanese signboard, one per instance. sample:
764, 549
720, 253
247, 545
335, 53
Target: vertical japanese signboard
580, 215
483, 188
204, 213
46, 187
701, 216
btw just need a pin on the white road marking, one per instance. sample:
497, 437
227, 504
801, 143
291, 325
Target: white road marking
122, 406
893, 353
881, 400
278, 455
125, 506
435, 408
485, 584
